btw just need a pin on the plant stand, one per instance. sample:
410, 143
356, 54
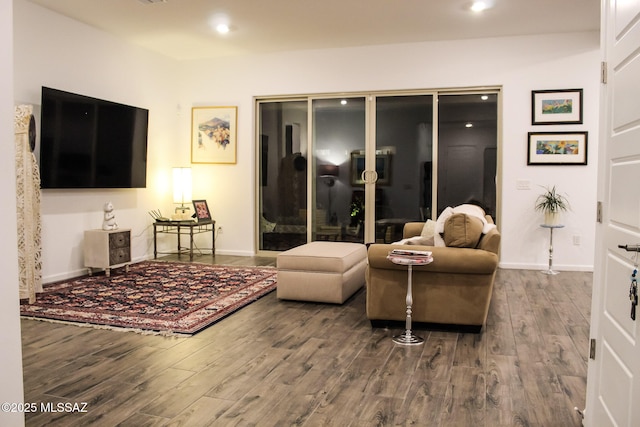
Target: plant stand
408, 337
550, 270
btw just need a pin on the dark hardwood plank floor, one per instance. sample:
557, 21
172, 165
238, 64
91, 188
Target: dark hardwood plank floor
279, 363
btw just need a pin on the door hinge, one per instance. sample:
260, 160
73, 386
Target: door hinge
599, 212
603, 72
592, 349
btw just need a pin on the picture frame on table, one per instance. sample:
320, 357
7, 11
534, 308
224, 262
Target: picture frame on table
556, 107
214, 134
557, 148
201, 210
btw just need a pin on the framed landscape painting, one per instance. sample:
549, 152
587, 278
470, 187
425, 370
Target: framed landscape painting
557, 148
214, 134
559, 107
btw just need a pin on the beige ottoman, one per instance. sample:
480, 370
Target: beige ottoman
321, 271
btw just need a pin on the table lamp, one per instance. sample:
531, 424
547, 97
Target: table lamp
182, 191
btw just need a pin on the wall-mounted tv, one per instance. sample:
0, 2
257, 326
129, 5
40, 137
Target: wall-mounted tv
91, 143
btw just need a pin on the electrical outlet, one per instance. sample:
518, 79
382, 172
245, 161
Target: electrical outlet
219, 229
577, 239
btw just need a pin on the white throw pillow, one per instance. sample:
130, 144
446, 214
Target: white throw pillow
428, 232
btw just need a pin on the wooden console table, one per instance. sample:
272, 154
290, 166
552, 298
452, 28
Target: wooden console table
187, 228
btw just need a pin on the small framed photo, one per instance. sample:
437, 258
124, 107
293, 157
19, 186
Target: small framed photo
202, 210
214, 134
556, 107
557, 148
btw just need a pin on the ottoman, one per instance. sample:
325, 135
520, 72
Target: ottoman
321, 271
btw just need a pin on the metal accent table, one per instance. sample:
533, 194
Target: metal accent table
408, 337
550, 270
184, 227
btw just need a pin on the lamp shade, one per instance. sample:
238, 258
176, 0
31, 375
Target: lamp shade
182, 185
328, 170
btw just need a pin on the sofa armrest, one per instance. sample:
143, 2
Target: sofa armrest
412, 229
445, 259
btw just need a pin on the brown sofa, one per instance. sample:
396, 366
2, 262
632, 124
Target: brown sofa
455, 289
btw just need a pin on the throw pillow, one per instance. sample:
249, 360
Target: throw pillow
266, 225
477, 211
462, 231
428, 232
437, 236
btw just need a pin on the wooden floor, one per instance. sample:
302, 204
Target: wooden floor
277, 363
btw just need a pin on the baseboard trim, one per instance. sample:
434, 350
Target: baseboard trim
561, 267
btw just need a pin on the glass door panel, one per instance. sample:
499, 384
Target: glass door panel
282, 160
467, 150
360, 167
403, 162
338, 131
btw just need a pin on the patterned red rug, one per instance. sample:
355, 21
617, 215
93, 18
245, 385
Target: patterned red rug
166, 297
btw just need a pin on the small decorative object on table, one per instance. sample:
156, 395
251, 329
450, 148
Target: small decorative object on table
109, 222
409, 258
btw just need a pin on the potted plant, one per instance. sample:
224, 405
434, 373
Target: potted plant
551, 203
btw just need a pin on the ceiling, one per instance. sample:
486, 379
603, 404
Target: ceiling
182, 29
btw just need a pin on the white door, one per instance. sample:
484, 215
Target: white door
613, 382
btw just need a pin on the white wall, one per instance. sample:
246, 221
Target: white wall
519, 65
11, 390
54, 51
58, 52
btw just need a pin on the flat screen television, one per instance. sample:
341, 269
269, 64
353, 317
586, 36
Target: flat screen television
91, 143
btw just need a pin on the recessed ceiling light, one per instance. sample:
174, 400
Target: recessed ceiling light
468, 125
484, 97
220, 23
343, 102
479, 6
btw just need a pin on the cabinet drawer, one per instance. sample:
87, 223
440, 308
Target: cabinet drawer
119, 240
119, 255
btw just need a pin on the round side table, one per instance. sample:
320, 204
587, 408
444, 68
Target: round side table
408, 337
550, 270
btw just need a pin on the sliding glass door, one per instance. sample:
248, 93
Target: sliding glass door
467, 150
339, 129
282, 174
357, 168
403, 163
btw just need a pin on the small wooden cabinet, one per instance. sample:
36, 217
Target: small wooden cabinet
107, 249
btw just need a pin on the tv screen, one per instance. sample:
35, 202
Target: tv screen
91, 143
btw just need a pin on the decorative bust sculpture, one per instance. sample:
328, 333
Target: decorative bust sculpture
109, 222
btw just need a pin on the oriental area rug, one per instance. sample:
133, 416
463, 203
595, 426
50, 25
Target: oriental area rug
154, 296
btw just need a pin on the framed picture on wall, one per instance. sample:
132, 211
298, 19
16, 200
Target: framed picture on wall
557, 148
214, 134
556, 107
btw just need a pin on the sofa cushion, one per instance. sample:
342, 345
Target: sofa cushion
462, 231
